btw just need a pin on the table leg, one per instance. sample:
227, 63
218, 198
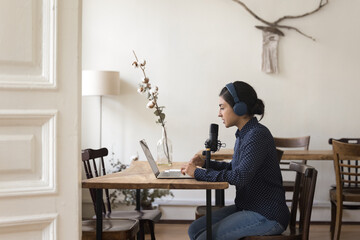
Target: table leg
99, 204
220, 197
208, 195
138, 203
208, 215
141, 233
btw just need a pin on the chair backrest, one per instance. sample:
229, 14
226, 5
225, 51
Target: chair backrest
298, 142
91, 158
345, 140
346, 156
303, 197
279, 154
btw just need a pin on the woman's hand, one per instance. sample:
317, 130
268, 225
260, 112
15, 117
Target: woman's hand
191, 166
197, 160
188, 169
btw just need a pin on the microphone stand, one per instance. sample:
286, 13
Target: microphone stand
219, 193
208, 193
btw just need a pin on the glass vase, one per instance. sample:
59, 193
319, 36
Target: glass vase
164, 149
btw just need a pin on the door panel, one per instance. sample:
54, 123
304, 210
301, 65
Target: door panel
27, 26
31, 139
40, 67
25, 227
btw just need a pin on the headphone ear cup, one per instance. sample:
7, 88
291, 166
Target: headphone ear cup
240, 108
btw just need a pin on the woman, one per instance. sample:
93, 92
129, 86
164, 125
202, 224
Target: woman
260, 207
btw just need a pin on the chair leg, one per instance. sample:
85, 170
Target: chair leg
338, 220
141, 233
333, 218
152, 230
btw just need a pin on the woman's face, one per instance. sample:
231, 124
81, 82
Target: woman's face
227, 114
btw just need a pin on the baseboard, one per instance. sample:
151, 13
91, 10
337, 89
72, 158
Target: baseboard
328, 223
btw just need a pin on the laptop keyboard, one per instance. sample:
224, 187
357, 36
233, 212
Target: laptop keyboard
171, 173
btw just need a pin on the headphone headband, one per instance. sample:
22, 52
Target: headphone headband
231, 88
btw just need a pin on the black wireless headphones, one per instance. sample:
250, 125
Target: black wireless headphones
240, 108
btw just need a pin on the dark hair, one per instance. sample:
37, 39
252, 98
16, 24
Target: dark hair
246, 94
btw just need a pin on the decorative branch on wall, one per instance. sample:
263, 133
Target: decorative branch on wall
272, 33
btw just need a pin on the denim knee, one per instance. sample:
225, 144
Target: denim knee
192, 231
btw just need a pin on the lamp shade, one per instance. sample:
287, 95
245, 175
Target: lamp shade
100, 83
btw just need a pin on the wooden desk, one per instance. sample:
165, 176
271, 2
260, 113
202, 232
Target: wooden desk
288, 154
140, 176
308, 155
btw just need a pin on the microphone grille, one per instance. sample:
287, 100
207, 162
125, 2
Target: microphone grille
214, 128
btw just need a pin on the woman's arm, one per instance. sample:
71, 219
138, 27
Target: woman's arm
252, 157
199, 161
220, 165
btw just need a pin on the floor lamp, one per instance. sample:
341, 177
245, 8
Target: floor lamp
100, 83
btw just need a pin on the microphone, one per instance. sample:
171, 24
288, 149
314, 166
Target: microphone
213, 143
213, 137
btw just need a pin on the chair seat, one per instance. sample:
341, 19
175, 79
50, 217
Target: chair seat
201, 210
349, 195
345, 186
287, 235
146, 218
115, 229
152, 215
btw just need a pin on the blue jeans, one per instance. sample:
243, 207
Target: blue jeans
228, 223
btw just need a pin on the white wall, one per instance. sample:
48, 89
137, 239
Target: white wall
194, 47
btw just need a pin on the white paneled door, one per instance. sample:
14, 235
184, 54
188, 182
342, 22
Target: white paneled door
40, 67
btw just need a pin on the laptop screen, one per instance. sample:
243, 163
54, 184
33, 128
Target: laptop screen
149, 157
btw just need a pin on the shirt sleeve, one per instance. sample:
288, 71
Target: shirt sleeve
252, 157
201, 173
219, 165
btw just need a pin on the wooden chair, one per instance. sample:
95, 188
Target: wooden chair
302, 201
347, 189
291, 143
201, 210
113, 229
89, 157
344, 140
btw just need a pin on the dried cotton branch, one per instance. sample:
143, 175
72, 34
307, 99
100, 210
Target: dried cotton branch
274, 26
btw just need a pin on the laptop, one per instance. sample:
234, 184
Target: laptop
171, 173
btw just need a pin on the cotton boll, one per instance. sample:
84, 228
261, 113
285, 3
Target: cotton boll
140, 90
135, 157
150, 104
